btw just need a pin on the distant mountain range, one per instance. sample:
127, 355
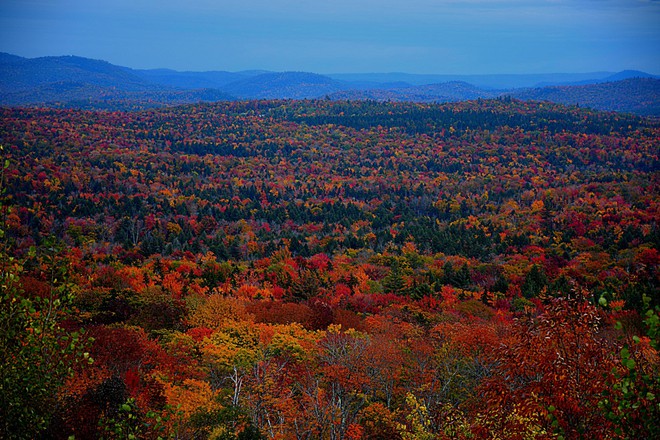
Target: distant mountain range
69, 81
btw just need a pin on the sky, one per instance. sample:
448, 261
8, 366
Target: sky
342, 36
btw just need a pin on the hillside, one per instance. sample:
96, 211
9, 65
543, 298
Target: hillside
329, 269
284, 85
491, 82
634, 95
84, 83
74, 82
82, 95
445, 92
22, 74
192, 80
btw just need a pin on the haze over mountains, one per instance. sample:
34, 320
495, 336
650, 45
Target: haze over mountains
69, 81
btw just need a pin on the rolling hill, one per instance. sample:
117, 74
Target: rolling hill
287, 85
190, 80
70, 81
633, 95
19, 74
444, 92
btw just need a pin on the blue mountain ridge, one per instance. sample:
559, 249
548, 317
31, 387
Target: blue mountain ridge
72, 81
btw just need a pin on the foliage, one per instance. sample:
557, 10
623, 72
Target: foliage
37, 353
632, 402
319, 269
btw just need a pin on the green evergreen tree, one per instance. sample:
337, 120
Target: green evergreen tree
535, 282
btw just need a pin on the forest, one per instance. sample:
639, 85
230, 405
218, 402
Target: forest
341, 270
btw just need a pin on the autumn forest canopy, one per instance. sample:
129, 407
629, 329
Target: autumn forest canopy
320, 269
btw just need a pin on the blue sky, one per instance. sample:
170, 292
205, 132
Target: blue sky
336, 36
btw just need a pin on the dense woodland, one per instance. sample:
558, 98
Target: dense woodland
330, 270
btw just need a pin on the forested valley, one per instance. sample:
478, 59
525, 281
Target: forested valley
319, 269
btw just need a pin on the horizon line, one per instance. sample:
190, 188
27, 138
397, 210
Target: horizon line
340, 72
